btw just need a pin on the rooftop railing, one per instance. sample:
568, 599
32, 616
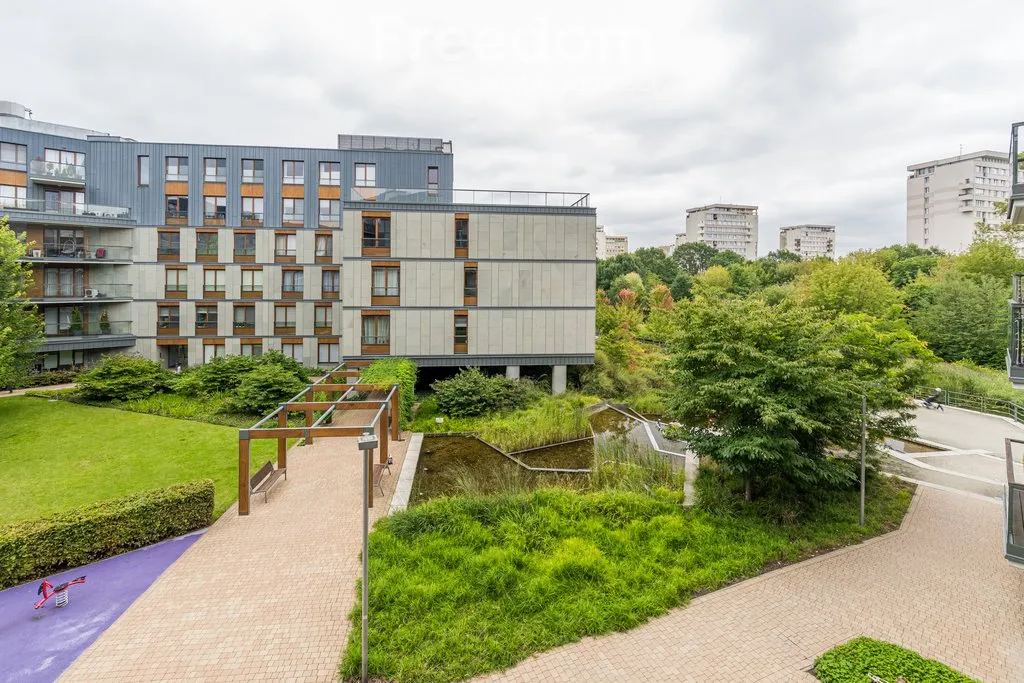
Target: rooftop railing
88, 328
484, 197
66, 208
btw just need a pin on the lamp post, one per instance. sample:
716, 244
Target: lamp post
366, 444
863, 451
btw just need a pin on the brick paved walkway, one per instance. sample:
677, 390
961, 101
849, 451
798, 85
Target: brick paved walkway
939, 586
258, 598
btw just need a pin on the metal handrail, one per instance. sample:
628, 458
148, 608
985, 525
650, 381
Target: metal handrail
461, 196
976, 402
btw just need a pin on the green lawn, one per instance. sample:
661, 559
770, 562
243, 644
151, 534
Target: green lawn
59, 455
466, 585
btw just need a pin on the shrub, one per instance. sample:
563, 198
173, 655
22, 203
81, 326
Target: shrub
862, 659
401, 371
123, 377
471, 393
224, 373
44, 546
47, 378
264, 388
285, 362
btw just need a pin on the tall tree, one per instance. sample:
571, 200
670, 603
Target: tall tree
848, 287
726, 258
609, 269
694, 258
653, 261
21, 330
963, 317
990, 256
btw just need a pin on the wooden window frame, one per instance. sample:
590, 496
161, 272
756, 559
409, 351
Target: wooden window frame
330, 294
293, 179
463, 346
216, 177
329, 256
285, 258
330, 220
376, 245
364, 166
179, 217
253, 179
436, 184
217, 217
207, 258
203, 330
169, 256
323, 329
385, 299
285, 329
243, 258
138, 170
179, 292
243, 329
255, 218
254, 293
463, 250
293, 222
214, 292
330, 182
285, 294
330, 341
374, 349
168, 331
251, 342
470, 299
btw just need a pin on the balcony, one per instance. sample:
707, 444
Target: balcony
88, 328
1016, 196
65, 213
1015, 349
71, 251
563, 200
176, 217
63, 293
252, 218
55, 173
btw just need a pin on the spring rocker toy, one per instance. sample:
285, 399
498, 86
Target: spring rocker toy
48, 590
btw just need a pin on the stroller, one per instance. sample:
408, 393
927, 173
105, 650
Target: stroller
931, 402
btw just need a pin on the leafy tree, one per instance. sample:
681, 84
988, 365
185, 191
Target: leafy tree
848, 287
694, 258
781, 256
903, 272
744, 278
631, 282
682, 286
963, 317
990, 257
21, 330
1006, 230
123, 377
726, 259
265, 388
610, 269
661, 297
654, 261
275, 357
765, 391
715, 281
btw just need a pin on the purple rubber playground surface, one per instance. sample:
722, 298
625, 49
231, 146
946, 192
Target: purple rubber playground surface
39, 644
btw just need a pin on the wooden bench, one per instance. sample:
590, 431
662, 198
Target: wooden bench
378, 474
265, 478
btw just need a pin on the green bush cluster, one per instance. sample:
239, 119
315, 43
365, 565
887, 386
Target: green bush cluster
123, 377
46, 378
968, 378
227, 373
262, 389
472, 393
40, 547
401, 371
861, 658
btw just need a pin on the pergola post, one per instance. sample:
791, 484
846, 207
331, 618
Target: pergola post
382, 436
282, 443
395, 412
309, 416
243, 472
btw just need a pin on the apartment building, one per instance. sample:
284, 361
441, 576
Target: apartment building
946, 198
809, 241
185, 252
610, 246
726, 227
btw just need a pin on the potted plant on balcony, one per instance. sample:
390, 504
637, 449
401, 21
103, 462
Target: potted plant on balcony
104, 322
76, 323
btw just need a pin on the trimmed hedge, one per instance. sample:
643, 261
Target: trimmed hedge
46, 378
37, 548
400, 371
861, 658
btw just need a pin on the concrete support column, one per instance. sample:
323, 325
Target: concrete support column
512, 371
557, 379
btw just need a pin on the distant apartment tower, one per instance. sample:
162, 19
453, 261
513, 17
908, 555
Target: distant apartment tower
610, 246
809, 241
726, 227
947, 197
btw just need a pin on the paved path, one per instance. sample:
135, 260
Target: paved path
37, 645
939, 586
21, 392
258, 598
966, 429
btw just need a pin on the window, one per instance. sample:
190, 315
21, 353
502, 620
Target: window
213, 280
64, 201
252, 349
330, 281
175, 280
292, 350
323, 317
167, 317
252, 280
377, 232
64, 282
366, 175
461, 329
176, 169
252, 210
245, 244
245, 317
469, 282
14, 196
330, 212
177, 208
330, 173
143, 166
327, 352
284, 245
206, 318
13, 154
433, 178
376, 330
284, 316
293, 173
291, 281
211, 351
293, 210
385, 281
215, 209
461, 233
324, 246
168, 244
206, 244
252, 171
215, 170
64, 162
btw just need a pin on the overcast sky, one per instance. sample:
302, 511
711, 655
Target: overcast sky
811, 109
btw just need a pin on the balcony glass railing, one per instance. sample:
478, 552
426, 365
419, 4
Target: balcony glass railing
377, 242
215, 178
176, 177
90, 328
329, 221
292, 289
469, 291
384, 291
168, 324
251, 218
284, 252
376, 340
486, 197
176, 215
93, 291
52, 170
292, 217
253, 178
245, 324
73, 251
208, 324
66, 208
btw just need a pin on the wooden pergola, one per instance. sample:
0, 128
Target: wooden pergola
339, 393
